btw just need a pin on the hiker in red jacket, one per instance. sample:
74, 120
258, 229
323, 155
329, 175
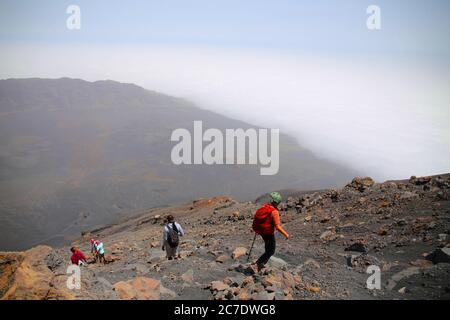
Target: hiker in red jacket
77, 257
265, 223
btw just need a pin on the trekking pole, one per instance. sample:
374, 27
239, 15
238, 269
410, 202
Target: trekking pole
250, 252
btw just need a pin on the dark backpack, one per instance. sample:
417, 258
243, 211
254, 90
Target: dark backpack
173, 238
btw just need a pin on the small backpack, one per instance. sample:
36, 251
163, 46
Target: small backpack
173, 238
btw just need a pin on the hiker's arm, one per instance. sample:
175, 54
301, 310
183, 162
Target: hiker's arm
277, 223
180, 229
164, 237
282, 231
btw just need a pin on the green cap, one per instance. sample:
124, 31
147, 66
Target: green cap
275, 197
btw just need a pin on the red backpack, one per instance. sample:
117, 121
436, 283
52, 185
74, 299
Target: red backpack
263, 222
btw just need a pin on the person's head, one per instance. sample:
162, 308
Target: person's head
275, 198
92, 241
170, 218
73, 249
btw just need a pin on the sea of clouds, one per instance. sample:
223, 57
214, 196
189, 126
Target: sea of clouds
386, 117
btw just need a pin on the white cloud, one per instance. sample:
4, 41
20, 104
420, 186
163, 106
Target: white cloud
386, 120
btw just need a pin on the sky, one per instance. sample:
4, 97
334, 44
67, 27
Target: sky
375, 100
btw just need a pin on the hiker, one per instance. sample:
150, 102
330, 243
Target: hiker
265, 223
93, 249
99, 251
77, 257
171, 237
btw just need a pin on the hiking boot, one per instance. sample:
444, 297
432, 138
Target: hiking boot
253, 268
260, 267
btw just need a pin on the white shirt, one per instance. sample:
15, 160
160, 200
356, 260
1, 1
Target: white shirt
166, 230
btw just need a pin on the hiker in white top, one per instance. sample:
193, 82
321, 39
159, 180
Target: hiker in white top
171, 237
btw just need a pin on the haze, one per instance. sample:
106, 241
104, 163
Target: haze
384, 120
376, 101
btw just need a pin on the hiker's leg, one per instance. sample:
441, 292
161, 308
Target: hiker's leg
264, 257
173, 252
269, 246
272, 246
167, 247
170, 252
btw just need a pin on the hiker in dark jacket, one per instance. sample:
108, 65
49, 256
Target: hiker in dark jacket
171, 233
265, 223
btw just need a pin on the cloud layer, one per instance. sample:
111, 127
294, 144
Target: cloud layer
384, 117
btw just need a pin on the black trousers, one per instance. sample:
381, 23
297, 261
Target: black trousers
269, 245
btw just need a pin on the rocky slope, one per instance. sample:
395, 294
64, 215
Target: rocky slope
400, 226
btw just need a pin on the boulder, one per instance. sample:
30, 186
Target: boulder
363, 260
243, 295
357, 247
348, 227
408, 195
328, 235
154, 244
402, 290
441, 255
406, 273
140, 288
264, 295
272, 280
361, 184
239, 252
53, 260
314, 289
312, 262
247, 282
236, 216
188, 276
157, 218
422, 263
277, 262
334, 195
167, 292
382, 231
419, 181
110, 258
27, 276
186, 254
218, 286
288, 280
222, 258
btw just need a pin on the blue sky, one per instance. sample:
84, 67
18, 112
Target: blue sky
408, 27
